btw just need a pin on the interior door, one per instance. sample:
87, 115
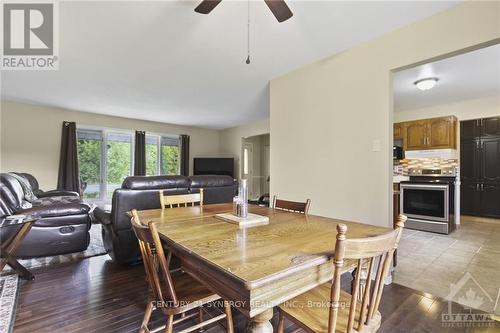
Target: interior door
267, 167
247, 167
415, 135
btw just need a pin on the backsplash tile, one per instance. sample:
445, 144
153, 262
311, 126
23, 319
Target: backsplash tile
401, 167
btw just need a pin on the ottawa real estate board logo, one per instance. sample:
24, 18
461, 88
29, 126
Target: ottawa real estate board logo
30, 35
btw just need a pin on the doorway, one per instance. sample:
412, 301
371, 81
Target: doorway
255, 167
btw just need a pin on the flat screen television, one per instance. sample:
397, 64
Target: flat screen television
213, 166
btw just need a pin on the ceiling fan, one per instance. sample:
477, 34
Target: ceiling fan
279, 8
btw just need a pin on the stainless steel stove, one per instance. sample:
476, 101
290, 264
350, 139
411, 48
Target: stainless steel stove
428, 199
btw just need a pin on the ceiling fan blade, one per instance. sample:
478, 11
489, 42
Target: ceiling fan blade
206, 6
280, 9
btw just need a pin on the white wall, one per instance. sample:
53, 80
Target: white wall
231, 139
31, 137
326, 117
463, 110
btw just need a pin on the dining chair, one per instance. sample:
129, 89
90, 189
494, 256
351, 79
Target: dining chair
330, 309
181, 200
291, 206
174, 293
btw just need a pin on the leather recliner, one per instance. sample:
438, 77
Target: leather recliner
43, 194
63, 224
142, 192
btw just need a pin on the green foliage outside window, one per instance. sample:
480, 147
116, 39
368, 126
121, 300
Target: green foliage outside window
119, 161
151, 158
89, 158
169, 160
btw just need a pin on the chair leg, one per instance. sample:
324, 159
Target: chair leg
229, 317
170, 324
281, 322
147, 316
200, 319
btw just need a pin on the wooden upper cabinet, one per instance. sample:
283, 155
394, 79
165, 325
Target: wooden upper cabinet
415, 135
435, 133
441, 133
398, 131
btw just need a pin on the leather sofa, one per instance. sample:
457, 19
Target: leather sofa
64, 220
142, 192
44, 194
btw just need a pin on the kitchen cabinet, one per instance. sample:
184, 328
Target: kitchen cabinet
490, 200
470, 198
480, 167
470, 159
398, 131
435, 133
490, 126
441, 132
472, 129
415, 135
490, 159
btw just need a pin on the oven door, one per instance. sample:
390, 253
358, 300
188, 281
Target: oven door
425, 201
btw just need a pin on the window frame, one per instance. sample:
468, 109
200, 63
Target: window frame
159, 139
105, 131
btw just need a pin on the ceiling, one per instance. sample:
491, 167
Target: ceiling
163, 62
467, 76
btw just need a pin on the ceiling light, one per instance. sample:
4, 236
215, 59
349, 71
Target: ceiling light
427, 83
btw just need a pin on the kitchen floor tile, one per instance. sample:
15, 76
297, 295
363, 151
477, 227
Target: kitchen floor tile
433, 263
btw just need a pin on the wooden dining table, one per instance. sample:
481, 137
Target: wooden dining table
255, 268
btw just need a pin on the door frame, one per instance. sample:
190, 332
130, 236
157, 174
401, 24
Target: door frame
249, 163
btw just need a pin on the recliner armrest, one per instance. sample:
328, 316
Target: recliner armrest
102, 216
57, 193
56, 210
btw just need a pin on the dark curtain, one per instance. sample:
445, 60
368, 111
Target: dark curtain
69, 173
184, 143
140, 153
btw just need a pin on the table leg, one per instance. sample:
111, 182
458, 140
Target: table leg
260, 323
20, 269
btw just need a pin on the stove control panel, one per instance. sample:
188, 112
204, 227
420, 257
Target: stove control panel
438, 172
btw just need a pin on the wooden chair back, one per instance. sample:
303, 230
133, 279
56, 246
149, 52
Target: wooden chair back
291, 206
369, 252
181, 200
154, 259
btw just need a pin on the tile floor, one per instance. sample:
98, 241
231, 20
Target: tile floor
463, 266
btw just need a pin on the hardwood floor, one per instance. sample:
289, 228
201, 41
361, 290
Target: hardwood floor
95, 295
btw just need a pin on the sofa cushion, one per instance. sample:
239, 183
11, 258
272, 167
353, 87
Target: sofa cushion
48, 201
61, 209
10, 202
155, 182
12, 192
203, 181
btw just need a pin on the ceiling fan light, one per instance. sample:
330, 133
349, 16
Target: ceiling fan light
427, 83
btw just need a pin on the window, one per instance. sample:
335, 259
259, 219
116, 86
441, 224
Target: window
162, 155
118, 160
90, 162
106, 156
105, 159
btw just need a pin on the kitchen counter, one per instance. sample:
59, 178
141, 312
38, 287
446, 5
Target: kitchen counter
399, 179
